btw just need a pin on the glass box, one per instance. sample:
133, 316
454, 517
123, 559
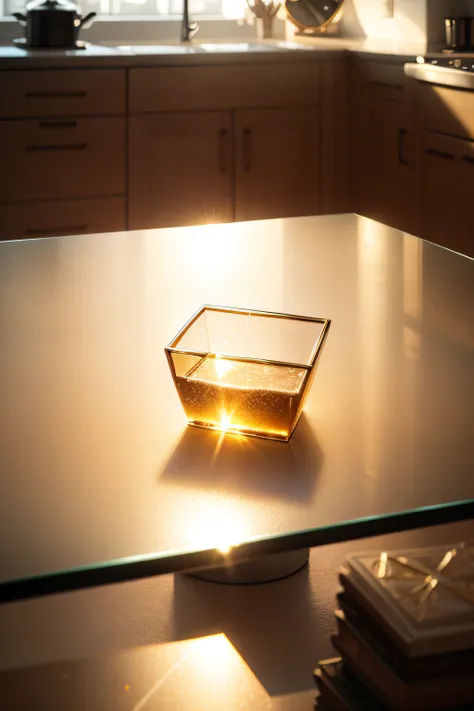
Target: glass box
244, 371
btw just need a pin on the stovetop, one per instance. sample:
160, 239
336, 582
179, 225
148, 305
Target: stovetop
453, 60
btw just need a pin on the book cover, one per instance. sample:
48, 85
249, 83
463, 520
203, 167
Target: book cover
408, 668
437, 694
425, 595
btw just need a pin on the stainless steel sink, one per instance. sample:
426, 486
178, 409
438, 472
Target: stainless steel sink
157, 49
212, 48
246, 47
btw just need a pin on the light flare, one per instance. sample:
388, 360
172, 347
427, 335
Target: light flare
223, 366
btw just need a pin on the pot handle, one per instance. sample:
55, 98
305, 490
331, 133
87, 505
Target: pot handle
84, 20
20, 17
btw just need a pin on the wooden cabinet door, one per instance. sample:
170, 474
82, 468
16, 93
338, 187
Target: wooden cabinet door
393, 196
180, 169
447, 176
277, 163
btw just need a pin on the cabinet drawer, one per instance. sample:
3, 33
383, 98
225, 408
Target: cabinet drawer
201, 88
77, 92
49, 219
387, 82
448, 150
446, 110
53, 159
447, 176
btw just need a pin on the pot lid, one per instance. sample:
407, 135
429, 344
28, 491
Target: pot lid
51, 5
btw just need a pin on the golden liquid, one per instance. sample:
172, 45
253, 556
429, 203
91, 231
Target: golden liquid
239, 396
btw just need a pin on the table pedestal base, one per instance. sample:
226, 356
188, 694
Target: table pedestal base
263, 569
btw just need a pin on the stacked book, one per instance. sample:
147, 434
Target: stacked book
405, 633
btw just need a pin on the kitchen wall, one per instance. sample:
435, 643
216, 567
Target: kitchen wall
369, 18
412, 21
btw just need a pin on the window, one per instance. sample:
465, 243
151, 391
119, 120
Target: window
226, 8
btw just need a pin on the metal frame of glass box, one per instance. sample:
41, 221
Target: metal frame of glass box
173, 349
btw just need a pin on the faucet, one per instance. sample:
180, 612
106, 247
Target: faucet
188, 29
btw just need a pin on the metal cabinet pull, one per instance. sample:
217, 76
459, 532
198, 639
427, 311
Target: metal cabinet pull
59, 147
387, 84
401, 146
222, 152
55, 94
38, 231
247, 148
439, 154
58, 124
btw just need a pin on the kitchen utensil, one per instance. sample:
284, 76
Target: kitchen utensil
52, 23
459, 32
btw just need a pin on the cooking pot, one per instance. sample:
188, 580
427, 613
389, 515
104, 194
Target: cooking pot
52, 23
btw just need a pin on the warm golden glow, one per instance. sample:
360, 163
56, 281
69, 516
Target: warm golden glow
215, 247
247, 397
215, 524
382, 565
222, 366
213, 654
225, 421
216, 670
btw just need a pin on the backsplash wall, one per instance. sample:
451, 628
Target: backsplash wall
369, 18
413, 20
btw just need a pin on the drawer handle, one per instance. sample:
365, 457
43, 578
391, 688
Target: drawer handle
55, 94
386, 84
468, 159
401, 146
59, 147
439, 154
58, 124
223, 133
38, 231
247, 148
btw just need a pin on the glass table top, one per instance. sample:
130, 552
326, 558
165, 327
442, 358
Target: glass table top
101, 478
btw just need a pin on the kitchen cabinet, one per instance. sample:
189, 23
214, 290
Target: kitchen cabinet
445, 110
180, 169
447, 176
171, 145
62, 217
384, 161
62, 142
183, 169
446, 123
55, 158
226, 86
277, 163
71, 92
214, 144
393, 171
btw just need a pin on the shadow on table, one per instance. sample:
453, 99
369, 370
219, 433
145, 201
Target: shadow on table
270, 625
247, 465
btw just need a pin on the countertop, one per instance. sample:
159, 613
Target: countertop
204, 53
97, 458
